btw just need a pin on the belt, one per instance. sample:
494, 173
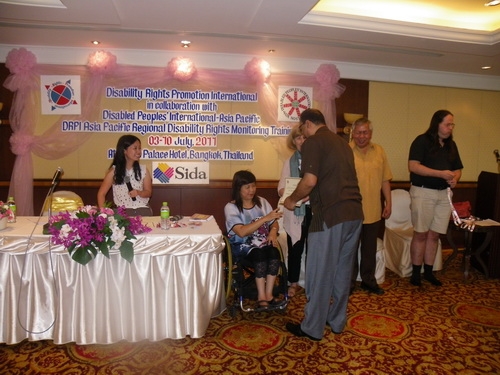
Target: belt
433, 188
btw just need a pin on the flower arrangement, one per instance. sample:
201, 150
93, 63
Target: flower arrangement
89, 230
5, 210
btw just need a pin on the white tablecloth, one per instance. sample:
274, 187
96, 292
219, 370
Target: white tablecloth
171, 289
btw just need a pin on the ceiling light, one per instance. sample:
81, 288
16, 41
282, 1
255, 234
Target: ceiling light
185, 43
95, 42
492, 3
486, 67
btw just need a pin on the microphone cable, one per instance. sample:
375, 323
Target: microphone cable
28, 243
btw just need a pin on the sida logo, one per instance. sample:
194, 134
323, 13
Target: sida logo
293, 101
176, 173
163, 173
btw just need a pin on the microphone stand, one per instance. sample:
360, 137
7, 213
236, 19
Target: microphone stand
49, 196
55, 181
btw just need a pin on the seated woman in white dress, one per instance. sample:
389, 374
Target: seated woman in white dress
131, 181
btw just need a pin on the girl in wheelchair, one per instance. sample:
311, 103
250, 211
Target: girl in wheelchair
252, 229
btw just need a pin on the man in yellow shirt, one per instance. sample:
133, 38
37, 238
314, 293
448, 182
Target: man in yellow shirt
374, 175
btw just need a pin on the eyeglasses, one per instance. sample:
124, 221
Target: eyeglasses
363, 132
450, 125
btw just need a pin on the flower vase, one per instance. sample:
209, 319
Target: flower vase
3, 222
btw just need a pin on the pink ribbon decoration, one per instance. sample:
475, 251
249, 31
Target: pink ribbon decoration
21, 142
328, 77
258, 70
20, 61
102, 62
181, 69
21, 64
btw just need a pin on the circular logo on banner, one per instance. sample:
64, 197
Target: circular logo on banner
293, 102
60, 94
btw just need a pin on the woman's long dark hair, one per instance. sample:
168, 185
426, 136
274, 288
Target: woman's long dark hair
241, 178
120, 162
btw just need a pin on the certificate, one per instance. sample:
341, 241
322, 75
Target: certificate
486, 223
290, 185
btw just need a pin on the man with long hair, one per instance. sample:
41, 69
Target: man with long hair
435, 165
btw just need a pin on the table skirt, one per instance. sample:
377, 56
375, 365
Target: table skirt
161, 294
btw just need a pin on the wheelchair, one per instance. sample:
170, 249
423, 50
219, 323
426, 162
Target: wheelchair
241, 290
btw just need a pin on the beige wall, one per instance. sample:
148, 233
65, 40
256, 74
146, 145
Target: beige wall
400, 112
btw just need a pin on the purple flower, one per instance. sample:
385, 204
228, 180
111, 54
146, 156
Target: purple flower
90, 230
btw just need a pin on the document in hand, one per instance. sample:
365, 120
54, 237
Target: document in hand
487, 223
290, 185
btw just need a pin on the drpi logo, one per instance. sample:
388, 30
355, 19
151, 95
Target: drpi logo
293, 102
60, 95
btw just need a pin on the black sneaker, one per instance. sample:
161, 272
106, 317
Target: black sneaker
415, 281
432, 279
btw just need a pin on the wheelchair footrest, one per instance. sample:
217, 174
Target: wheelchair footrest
278, 305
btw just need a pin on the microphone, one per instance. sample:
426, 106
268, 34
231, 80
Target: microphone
129, 185
57, 176
497, 155
55, 181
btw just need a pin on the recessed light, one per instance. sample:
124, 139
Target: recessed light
492, 3
95, 42
486, 67
185, 43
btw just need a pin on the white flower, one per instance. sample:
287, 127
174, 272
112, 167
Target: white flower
65, 230
118, 234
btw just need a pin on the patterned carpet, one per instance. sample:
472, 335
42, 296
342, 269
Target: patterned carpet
454, 329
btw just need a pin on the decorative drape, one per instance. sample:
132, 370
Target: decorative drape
102, 70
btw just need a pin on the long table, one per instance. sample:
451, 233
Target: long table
172, 288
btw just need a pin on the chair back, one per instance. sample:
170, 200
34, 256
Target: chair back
63, 201
401, 213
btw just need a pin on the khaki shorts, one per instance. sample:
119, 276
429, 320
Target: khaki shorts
430, 209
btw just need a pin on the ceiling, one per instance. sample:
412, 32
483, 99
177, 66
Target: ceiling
457, 36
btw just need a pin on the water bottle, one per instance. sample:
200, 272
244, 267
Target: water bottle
12, 206
165, 216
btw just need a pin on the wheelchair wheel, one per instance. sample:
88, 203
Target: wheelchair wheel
227, 264
239, 280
